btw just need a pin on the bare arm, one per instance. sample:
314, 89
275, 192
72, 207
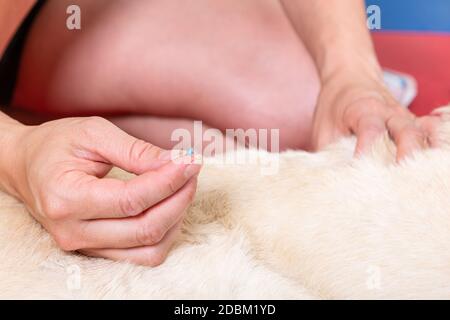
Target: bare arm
11, 15
57, 170
353, 99
335, 33
9, 131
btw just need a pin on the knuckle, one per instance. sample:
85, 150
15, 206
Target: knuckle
66, 241
191, 193
154, 258
427, 121
391, 121
55, 209
414, 133
140, 150
373, 129
149, 234
410, 135
168, 184
129, 205
366, 105
95, 121
353, 113
89, 126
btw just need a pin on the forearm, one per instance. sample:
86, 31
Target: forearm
10, 131
11, 15
336, 34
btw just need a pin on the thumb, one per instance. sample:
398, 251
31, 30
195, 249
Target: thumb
324, 133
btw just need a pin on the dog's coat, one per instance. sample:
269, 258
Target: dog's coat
326, 226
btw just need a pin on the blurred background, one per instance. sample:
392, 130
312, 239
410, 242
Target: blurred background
415, 39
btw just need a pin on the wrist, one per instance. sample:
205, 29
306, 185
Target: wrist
11, 133
344, 89
340, 62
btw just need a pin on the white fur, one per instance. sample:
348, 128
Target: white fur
326, 226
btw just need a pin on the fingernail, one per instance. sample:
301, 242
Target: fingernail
187, 157
171, 154
191, 170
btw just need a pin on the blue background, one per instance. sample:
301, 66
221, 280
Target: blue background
414, 15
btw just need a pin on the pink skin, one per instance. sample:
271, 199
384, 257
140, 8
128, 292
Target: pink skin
58, 170
152, 67
229, 63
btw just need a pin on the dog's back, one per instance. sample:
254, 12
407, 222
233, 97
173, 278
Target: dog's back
326, 225
354, 228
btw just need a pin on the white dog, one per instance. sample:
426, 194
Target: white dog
326, 226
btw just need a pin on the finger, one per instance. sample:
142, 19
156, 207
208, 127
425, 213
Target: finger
144, 230
323, 135
127, 152
111, 198
441, 112
369, 129
151, 256
429, 125
406, 134
323, 139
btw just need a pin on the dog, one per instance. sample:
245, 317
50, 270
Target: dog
326, 226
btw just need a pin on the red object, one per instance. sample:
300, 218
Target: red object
424, 56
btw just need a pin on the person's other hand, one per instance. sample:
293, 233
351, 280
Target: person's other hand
363, 106
58, 170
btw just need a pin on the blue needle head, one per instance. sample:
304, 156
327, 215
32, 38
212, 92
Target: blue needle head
190, 151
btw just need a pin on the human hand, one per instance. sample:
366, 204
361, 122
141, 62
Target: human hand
57, 169
360, 104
